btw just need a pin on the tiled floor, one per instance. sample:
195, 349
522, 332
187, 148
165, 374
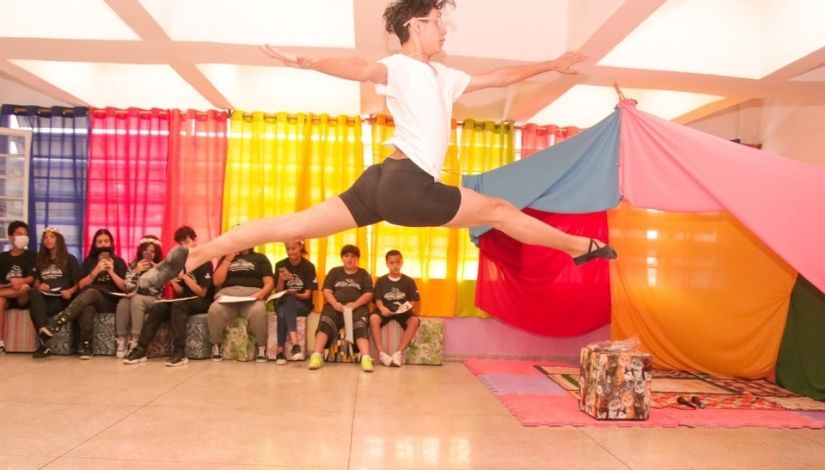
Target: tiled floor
62, 412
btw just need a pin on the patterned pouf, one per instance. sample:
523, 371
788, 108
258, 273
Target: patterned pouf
161, 344
427, 347
272, 341
238, 341
103, 339
20, 335
197, 337
64, 341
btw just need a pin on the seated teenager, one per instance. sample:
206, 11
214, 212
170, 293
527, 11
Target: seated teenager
131, 311
396, 299
16, 274
296, 276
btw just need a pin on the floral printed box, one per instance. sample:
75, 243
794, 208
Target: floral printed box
615, 382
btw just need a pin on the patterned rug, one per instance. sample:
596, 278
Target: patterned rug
524, 389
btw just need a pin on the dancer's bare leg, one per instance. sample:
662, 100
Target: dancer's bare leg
477, 209
320, 220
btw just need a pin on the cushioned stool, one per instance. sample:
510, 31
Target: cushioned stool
20, 334
426, 347
64, 341
272, 341
103, 334
238, 341
161, 344
197, 337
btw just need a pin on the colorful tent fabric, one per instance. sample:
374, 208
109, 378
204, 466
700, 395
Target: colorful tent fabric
663, 166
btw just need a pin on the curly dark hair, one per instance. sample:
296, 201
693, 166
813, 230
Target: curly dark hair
44, 256
398, 13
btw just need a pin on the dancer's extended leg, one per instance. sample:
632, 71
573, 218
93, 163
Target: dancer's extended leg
477, 209
326, 218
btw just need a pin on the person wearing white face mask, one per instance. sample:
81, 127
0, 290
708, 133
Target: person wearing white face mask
16, 274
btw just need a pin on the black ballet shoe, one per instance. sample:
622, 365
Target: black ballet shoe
683, 401
593, 252
166, 270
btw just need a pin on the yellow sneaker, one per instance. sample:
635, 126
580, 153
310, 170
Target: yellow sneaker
316, 360
366, 363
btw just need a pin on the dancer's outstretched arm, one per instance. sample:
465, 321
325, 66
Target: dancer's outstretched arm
350, 68
505, 76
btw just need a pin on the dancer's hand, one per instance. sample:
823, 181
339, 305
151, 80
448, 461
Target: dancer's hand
289, 60
565, 62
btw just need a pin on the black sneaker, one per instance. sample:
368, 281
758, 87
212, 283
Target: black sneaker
296, 354
55, 324
42, 351
85, 350
165, 270
280, 359
136, 355
177, 359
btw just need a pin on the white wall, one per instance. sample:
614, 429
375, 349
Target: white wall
787, 129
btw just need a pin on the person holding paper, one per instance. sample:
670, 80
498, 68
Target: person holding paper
57, 273
246, 276
101, 276
194, 293
16, 274
296, 276
347, 288
396, 298
131, 311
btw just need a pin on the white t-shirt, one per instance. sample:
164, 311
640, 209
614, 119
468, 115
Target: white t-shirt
420, 98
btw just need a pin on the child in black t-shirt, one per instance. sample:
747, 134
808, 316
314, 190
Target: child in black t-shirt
16, 274
396, 298
296, 276
345, 287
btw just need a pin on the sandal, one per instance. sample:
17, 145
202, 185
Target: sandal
594, 251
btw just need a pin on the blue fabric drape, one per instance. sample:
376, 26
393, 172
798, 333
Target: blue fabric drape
57, 171
577, 176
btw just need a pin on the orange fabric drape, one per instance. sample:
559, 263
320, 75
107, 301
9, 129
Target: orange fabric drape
195, 171
700, 291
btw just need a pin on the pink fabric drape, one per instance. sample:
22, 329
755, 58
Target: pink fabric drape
196, 166
126, 190
671, 167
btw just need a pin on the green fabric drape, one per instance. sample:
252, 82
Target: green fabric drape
801, 363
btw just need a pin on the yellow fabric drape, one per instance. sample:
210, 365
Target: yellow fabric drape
443, 261
279, 163
700, 291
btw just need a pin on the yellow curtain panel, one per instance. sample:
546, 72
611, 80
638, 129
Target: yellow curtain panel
700, 291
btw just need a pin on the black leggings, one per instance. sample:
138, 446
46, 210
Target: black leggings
401, 193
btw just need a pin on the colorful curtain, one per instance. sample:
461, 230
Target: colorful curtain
195, 172
127, 186
279, 163
57, 171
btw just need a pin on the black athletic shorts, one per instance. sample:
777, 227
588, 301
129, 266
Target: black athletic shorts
401, 193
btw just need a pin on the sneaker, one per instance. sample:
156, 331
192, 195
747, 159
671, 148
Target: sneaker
55, 324
316, 361
2, 346
132, 344
296, 354
385, 358
135, 356
45, 335
177, 359
280, 359
366, 363
164, 271
121, 352
85, 350
42, 351
261, 356
397, 359
217, 354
